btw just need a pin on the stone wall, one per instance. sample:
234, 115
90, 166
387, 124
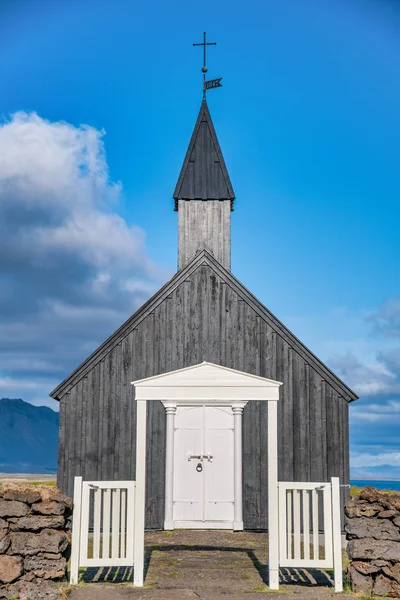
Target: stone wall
373, 532
34, 541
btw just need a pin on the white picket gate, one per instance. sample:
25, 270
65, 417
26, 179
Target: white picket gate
103, 533
305, 511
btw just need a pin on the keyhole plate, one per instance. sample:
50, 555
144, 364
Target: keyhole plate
199, 467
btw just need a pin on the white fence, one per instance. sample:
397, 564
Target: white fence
104, 529
305, 511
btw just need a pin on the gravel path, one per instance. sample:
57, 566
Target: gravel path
209, 565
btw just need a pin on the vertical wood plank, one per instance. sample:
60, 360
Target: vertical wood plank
194, 318
333, 432
84, 427
289, 497
300, 419
222, 323
306, 524
123, 522
125, 370
84, 531
76, 531
88, 428
106, 523
240, 335
283, 520
267, 351
186, 324
115, 523
170, 323
336, 540
100, 421
317, 441
215, 342
296, 523
285, 407
204, 311
327, 503
232, 317
315, 526
96, 523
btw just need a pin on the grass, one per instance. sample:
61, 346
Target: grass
49, 483
64, 591
264, 589
34, 483
369, 597
355, 491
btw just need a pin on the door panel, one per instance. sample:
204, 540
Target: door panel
188, 483
219, 474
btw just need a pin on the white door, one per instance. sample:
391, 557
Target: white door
204, 467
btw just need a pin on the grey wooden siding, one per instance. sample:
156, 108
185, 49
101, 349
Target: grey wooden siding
204, 225
204, 318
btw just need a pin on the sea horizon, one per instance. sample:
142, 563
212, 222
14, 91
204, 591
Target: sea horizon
380, 484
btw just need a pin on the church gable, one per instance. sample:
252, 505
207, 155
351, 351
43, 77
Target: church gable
204, 314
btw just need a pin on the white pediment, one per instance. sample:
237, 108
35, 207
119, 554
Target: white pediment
206, 382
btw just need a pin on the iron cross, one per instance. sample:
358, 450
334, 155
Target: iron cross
204, 43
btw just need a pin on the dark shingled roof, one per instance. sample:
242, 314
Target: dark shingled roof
204, 175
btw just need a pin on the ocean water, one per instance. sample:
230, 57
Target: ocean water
379, 484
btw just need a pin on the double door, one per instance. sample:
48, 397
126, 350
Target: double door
203, 490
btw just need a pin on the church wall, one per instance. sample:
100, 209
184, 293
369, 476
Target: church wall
203, 319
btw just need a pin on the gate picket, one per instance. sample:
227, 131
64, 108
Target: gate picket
295, 507
110, 506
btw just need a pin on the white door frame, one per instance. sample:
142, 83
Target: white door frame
237, 410
207, 383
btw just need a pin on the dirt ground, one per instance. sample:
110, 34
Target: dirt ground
204, 564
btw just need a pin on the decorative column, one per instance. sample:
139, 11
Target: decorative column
170, 410
140, 491
273, 503
237, 410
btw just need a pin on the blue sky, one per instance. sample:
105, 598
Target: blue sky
99, 98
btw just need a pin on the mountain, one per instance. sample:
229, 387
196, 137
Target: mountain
28, 437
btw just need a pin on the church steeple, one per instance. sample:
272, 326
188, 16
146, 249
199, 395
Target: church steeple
204, 196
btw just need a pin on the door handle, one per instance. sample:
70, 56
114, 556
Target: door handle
195, 456
207, 456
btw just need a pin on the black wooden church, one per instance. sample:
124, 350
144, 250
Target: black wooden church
203, 314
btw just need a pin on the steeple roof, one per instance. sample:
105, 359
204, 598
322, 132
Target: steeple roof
204, 175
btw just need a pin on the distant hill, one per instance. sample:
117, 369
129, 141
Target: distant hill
28, 437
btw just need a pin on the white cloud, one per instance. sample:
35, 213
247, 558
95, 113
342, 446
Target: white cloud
71, 269
384, 412
367, 379
375, 460
387, 317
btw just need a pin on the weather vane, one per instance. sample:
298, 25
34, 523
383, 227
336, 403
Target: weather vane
213, 83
